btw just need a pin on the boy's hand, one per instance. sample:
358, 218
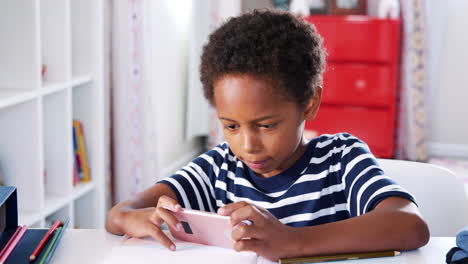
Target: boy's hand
147, 221
267, 236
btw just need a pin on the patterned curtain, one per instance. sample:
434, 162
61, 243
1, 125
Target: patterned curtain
132, 101
412, 126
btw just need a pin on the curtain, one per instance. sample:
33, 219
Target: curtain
412, 126
127, 97
150, 44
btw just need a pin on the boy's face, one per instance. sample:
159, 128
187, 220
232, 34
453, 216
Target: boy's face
263, 129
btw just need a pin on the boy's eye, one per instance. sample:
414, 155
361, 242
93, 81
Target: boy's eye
230, 127
267, 126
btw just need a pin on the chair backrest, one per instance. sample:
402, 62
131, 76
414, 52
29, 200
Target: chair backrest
440, 195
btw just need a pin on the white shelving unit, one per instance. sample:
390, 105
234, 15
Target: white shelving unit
36, 142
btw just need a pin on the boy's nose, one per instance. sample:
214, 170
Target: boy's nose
251, 143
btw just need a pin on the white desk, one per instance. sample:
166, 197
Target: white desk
92, 246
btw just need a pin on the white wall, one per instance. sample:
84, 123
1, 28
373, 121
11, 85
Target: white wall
206, 16
168, 63
448, 76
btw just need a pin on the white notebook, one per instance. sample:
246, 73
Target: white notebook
149, 251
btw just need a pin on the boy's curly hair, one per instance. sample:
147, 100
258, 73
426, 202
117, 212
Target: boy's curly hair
269, 44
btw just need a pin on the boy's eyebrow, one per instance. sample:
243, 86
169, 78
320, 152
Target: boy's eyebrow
255, 120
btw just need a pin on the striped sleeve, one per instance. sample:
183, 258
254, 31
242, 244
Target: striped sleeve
365, 183
194, 183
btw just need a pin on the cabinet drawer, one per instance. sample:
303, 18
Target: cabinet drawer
373, 126
359, 38
359, 84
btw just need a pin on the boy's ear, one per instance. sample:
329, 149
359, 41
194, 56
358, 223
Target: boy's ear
312, 108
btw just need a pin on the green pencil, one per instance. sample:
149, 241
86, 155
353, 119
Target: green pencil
51, 245
339, 257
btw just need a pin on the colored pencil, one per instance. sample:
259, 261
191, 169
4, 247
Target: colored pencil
44, 240
7, 245
50, 254
13, 244
51, 245
339, 257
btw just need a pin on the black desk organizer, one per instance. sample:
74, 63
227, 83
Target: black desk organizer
9, 223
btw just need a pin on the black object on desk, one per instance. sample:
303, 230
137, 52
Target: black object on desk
8, 225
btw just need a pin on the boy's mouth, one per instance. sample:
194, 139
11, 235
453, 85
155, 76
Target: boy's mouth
256, 164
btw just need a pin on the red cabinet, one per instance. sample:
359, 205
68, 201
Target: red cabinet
360, 80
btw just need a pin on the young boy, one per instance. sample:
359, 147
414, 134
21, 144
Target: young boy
262, 72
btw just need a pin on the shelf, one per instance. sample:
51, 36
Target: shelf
21, 153
55, 39
85, 204
60, 214
19, 50
53, 87
29, 218
10, 97
37, 111
82, 29
57, 138
82, 189
55, 202
81, 80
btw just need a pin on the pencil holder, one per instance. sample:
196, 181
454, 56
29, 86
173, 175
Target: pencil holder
8, 209
25, 243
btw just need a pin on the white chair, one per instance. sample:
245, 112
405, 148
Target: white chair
440, 195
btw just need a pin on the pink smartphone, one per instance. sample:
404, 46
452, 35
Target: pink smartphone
204, 228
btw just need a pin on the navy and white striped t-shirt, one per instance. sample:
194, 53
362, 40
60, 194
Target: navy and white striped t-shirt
336, 178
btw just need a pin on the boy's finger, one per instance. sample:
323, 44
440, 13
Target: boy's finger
169, 203
159, 236
169, 218
155, 219
229, 208
248, 245
243, 232
248, 215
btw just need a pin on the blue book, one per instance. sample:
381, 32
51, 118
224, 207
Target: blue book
76, 156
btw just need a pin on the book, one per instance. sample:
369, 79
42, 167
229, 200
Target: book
77, 166
81, 151
149, 251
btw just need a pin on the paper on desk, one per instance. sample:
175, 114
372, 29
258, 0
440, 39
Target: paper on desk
148, 251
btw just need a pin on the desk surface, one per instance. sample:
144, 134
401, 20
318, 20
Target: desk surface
92, 246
